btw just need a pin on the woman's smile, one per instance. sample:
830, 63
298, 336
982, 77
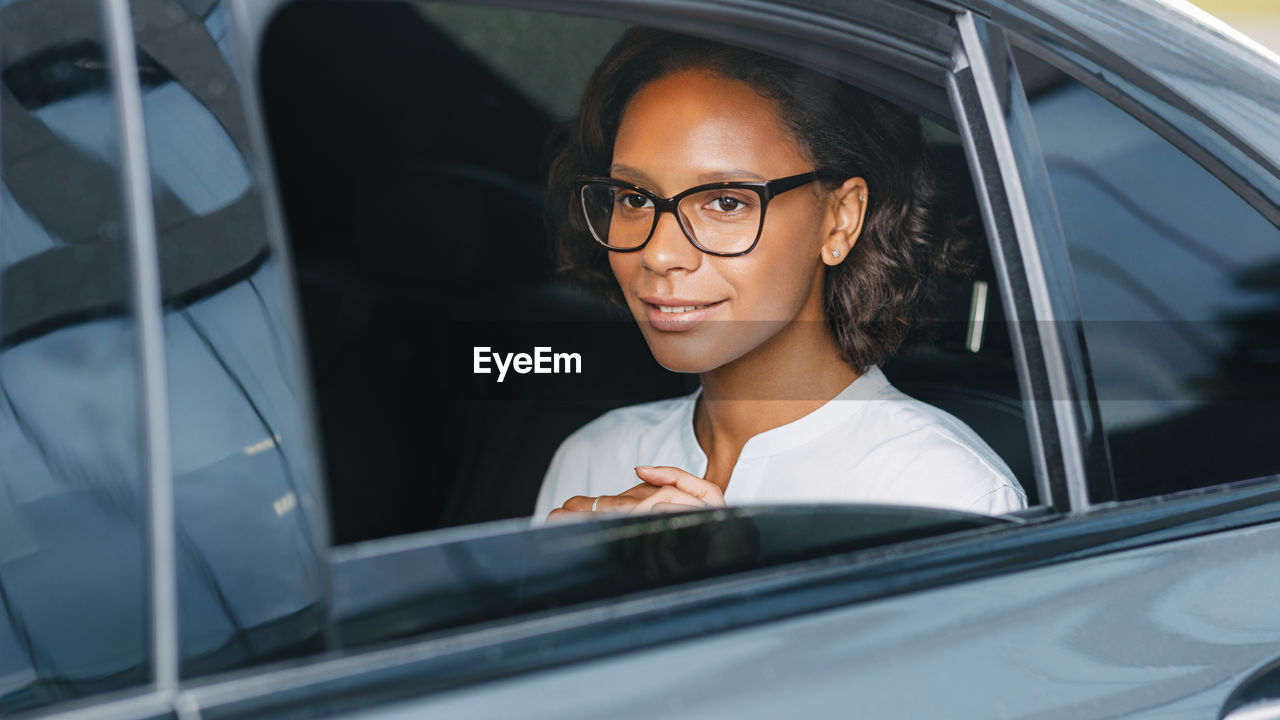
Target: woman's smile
678, 314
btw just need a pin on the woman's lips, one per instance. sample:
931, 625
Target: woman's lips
676, 315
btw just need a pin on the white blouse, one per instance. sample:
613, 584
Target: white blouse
870, 443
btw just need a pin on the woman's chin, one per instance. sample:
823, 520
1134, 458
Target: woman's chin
687, 353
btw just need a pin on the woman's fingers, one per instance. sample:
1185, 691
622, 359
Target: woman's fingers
705, 490
608, 503
560, 514
616, 503
666, 489
578, 503
669, 496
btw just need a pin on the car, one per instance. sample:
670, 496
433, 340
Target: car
250, 252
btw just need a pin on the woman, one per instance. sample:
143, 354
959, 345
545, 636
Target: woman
775, 232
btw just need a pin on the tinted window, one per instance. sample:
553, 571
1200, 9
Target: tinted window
1179, 285
71, 471
245, 487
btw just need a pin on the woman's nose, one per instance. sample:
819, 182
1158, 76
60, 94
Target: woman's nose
669, 249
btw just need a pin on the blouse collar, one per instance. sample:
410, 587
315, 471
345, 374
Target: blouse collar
791, 435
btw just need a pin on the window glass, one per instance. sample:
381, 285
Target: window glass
1178, 280
245, 487
72, 520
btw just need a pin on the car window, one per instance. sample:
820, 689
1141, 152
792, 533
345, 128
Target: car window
244, 479
71, 470
1178, 284
413, 173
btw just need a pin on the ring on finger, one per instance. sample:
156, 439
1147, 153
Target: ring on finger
594, 504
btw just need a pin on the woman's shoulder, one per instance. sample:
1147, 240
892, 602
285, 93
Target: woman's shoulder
948, 454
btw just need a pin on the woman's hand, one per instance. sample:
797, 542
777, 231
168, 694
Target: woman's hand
675, 490
665, 489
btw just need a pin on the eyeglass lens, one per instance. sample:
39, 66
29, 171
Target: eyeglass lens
721, 220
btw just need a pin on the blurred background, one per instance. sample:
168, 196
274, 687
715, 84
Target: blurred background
1259, 19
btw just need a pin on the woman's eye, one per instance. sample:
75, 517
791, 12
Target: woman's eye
727, 204
633, 201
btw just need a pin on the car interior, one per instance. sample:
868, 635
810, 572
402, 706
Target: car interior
412, 172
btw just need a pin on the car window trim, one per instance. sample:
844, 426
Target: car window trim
1068, 325
1044, 316
139, 217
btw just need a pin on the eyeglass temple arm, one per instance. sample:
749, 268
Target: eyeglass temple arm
781, 185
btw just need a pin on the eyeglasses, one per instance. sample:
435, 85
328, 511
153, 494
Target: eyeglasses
723, 218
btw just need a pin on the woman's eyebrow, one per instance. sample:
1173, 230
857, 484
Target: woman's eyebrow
629, 172
726, 175
707, 177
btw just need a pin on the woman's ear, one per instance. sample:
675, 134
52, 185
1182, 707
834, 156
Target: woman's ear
846, 213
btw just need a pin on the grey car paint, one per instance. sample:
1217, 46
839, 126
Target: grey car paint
1166, 631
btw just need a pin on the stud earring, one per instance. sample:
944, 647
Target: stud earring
862, 198
835, 253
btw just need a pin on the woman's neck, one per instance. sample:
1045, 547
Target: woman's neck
780, 381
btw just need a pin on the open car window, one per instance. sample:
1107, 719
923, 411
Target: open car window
419, 236
420, 241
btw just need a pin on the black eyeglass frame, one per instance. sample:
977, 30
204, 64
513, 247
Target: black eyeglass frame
765, 189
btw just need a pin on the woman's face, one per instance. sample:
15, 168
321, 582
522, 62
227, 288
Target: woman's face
692, 128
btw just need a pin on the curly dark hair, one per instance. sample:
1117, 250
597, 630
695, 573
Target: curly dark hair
889, 283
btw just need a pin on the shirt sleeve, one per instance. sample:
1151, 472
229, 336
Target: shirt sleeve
1004, 499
